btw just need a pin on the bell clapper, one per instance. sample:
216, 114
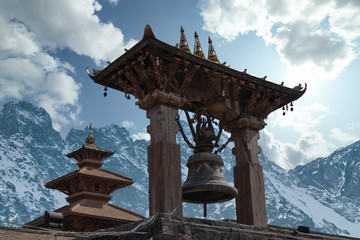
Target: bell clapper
205, 210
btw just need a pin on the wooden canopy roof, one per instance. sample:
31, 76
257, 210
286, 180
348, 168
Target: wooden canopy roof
153, 69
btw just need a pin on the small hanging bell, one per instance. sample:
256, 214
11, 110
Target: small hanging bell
105, 93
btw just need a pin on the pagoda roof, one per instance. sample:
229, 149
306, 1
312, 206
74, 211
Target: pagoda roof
95, 210
152, 65
85, 172
105, 211
89, 148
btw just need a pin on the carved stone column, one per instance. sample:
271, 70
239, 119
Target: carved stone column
163, 157
248, 173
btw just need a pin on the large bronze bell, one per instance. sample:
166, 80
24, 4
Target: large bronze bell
205, 182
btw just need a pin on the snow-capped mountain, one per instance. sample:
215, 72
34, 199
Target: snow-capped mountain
31, 154
322, 194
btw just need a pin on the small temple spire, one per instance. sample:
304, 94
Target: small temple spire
197, 47
90, 140
211, 53
183, 43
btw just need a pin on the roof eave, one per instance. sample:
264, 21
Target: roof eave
152, 41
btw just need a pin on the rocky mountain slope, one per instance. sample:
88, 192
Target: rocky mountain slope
322, 194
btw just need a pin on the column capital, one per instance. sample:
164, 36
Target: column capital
246, 148
162, 123
250, 122
160, 98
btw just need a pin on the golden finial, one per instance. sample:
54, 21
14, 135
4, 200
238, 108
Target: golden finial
211, 53
197, 47
90, 140
183, 43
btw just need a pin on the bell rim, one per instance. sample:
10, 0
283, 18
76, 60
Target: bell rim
232, 191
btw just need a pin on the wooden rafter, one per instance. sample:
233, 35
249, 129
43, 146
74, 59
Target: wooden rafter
138, 90
188, 78
144, 78
249, 109
155, 68
261, 106
172, 70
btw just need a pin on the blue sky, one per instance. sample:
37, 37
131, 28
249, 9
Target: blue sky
45, 47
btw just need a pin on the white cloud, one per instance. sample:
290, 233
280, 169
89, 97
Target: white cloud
300, 45
302, 119
310, 146
320, 34
115, 2
32, 32
140, 136
231, 18
71, 24
353, 126
27, 70
128, 124
343, 137
345, 19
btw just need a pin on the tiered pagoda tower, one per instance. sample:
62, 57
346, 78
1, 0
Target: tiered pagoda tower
89, 189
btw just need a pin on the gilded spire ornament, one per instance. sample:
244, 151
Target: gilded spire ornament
211, 53
183, 43
90, 140
197, 47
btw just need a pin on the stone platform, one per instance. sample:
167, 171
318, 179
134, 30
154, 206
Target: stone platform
166, 226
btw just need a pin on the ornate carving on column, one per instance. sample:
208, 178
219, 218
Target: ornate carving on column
248, 174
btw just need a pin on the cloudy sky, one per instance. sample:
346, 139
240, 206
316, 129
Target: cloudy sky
45, 47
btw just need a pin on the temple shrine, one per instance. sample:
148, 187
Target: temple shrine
166, 79
88, 190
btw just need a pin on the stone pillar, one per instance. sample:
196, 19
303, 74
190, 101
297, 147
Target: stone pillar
248, 173
164, 161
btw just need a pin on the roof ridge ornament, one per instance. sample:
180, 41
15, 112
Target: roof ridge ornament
148, 33
197, 47
183, 42
90, 140
211, 53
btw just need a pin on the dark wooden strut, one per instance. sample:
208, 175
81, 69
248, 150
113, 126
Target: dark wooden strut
183, 133
172, 71
164, 79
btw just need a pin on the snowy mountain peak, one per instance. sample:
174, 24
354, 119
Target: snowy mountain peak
337, 175
23, 117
